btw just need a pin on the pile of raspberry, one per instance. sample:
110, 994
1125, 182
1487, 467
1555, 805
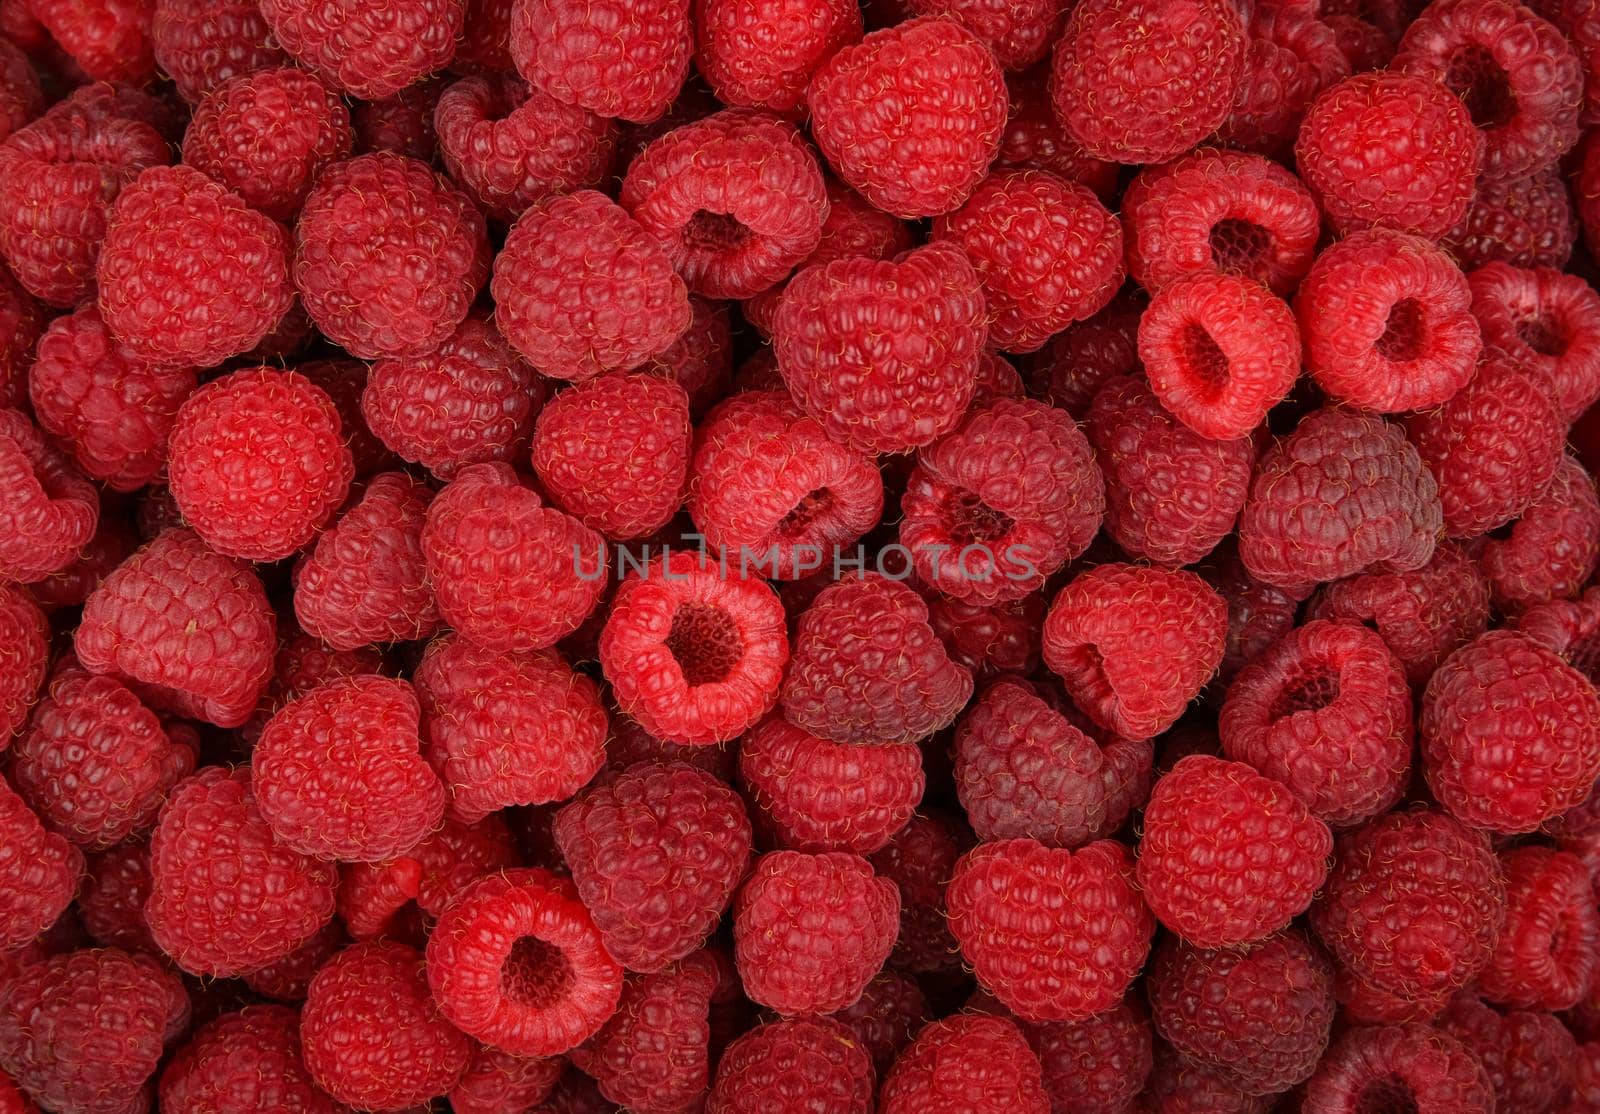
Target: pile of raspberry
795, 557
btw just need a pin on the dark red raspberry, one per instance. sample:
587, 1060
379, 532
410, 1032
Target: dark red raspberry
701, 360
21, 98
1048, 956
1526, 223
1546, 320
401, 124
24, 634
1390, 150
624, 58
920, 860
1399, 1067
794, 1064
343, 380
1133, 645
1301, 524
867, 667
1568, 628
485, 44
1545, 957
967, 1062
113, 543
886, 1016
303, 662
248, 1060
1035, 140
516, 961
200, 44
431, 874
1070, 370
580, 288
508, 572
388, 256
369, 48
1551, 551
1097, 1066
990, 640
1529, 1056
1178, 1085
192, 629
111, 903
1585, 1079
1221, 350
1364, 45
911, 116
39, 870
49, 512
1293, 56
21, 321
761, 53
1585, 182
1412, 909
497, 1081
109, 40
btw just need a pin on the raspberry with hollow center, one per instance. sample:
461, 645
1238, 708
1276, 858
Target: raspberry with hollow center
1546, 320
1399, 1067
1545, 956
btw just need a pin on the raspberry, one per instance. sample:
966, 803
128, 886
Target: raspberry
818, 795
793, 1064
21, 321
372, 895
1179, 1085
867, 667
1546, 320
304, 662
1221, 350
735, 199
767, 484
39, 870
581, 289
21, 98
507, 728
1260, 1017
1526, 223
116, 885
1219, 210
108, 40
1139, 81
401, 124
1398, 1067
1527, 1055
655, 855
1048, 956
886, 1016
225, 895
1412, 908
248, 1060
371, 1034
920, 860
388, 256
1134, 645
970, 1063
1023, 770
507, 572
49, 513
192, 629
911, 116
84, 1031
1568, 628
200, 44
761, 53
516, 961
113, 543
621, 58
496, 1081
1035, 140
990, 640
1097, 1066
1390, 150
1301, 524
370, 49
1545, 957
1551, 551
509, 145
701, 360
1293, 56
1258, 614
1072, 368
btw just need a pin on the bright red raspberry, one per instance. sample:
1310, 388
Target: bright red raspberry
1047, 955
1134, 645
1529, 1056
111, 903
497, 1081
49, 511
1545, 957
200, 44
507, 572
1293, 56
911, 116
761, 53
1019, 35
1525, 223
920, 860
967, 1062
1390, 150
370, 48
1551, 551
1220, 350
793, 1064
580, 288
517, 962
1070, 370
509, 145
1405, 1067
617, 58
1412, 909
886, 1016
401, 124
1220, 210
990, 640
373, 895
1035, 140
810, 931
21, 321
1546, 320
246, 1060
818, 795
1140, 81
1345, 493
826, 334
24, 657
109, 40
190, 628
39, 870
388, 256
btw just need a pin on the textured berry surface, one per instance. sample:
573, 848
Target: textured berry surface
40, 869
1552, 550
1526, 223
24, 657
248, 1060
967, 1062
1545, 956
617, 58
800, 1063
371, 48
1413, 1067
200, 44
50, 511
1529, 1056
761, 53
1546, 320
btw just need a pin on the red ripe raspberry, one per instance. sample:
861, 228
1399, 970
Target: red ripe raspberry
507, 572
818, 795
1528, 1056
1134, 645
886, 1016
1551, 551
113, 543
303, 662
793, 1064
84, 1031
920, 860
1301, 526
701, 360
21, 98
967, 1062
1018, 34
1141, 81
497, 1081
1070, 370
191, 629
370, 48
622, 58
1412, 908
1221, 350
1391, 150
656, 855
826, 334
248, 1060
1293, 56
581, 288
431, 874
401, 124
109, 40
1405, 1067
652, 1055
990, 640
24, 657
200, 44
225, 895
1097, 1066
810, 931
507, 728
517, 962
761, 53
1260, 1016
767, 485
1545, 957
372, 1035
39, 870
1546, 320
485, 45
1178, 1085
1219, 210
49, 512
1568, 628
21, 321
1035, 140
911, 116
1023, 770
509, 145
1387, 321
1047, 955
111, 902
736, 200
1526, 223
343, 380
388, 256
